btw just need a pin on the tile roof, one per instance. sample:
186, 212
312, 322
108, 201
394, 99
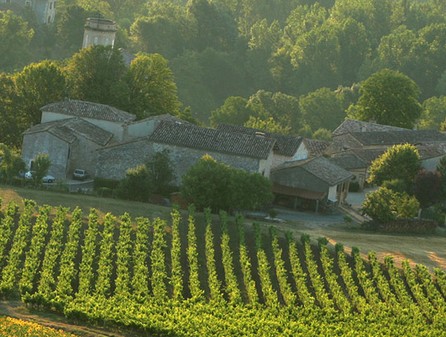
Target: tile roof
163, 117
399, 137
89, 110
316, 147
320, 167
351, 125
70, 129
286, 145
192, 136
348, 160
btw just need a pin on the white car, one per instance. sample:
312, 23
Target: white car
46, 179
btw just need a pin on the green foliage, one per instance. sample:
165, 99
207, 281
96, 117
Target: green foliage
143, 180
38, 84
41, 165
322, 109
385, 205
15, 37
388, 97
233, 111
434, 113
137, 185
398, 162
10, 164
211, 184
152, 89
268, 125
97, 74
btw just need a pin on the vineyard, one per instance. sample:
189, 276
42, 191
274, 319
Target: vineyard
196, 275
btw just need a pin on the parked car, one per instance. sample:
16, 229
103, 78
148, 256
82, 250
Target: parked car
46, 179
80, 174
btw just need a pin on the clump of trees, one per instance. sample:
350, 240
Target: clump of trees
214, 185
404, 187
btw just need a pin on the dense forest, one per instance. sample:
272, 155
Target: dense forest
292, 66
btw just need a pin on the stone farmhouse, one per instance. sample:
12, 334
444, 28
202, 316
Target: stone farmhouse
356, 144
107, 142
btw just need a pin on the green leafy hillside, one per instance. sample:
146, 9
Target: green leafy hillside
199, 276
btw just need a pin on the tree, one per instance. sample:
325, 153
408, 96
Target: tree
97, 74
10, 164
40, 167
70, 28
15, 38
162, 172
10, 127
283, 108
214, 185
434, 113
427, 187
38, 84
268, 124
215, 27
398, 162
206, 184
387, 97
233, 111
152, 87
322, 109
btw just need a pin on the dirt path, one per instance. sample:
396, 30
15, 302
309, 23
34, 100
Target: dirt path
429, 250
18, 310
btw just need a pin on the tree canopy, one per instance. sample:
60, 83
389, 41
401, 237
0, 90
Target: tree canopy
398, 162
388, 97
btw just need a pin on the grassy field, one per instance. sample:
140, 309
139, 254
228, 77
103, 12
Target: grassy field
425, 249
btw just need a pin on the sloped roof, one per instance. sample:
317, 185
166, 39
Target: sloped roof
320, 167
348, 160
70, 129
351, 125
163, 117
316, 147
285, 145
92, 110
399, 137
195, 137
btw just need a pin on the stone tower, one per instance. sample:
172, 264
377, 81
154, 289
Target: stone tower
99, 31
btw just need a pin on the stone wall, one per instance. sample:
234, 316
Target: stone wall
43, 142
114, 161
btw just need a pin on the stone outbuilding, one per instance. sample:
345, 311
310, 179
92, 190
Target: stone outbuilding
70, 143
311, 182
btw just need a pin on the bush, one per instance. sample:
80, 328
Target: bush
209, 184
385, 205
105, 183
137, 185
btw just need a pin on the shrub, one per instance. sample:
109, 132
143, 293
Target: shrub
214, 185
385, 205
137, 185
